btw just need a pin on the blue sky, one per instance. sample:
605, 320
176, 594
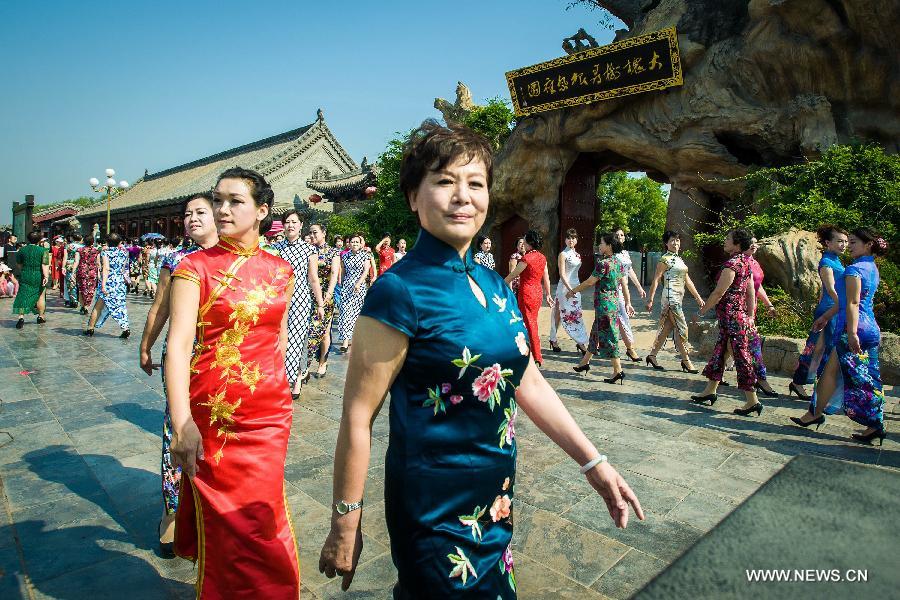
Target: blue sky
150, 85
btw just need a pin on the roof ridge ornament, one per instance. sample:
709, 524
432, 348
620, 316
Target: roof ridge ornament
320, 115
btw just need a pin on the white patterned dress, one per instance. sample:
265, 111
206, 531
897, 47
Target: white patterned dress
297, 253
355, 265
569, 308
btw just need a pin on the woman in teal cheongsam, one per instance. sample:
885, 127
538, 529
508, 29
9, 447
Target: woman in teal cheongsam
445, 336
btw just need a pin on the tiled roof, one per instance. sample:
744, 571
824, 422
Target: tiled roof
346, 183
54, 212
269, 156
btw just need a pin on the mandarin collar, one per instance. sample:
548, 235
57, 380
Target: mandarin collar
863, 259
232, 246
431, 250
830, 254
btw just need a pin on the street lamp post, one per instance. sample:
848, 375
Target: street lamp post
110, 188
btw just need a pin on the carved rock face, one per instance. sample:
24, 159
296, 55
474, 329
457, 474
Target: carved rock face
766, 83
791, 260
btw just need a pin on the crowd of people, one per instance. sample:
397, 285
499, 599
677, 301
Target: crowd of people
251, 301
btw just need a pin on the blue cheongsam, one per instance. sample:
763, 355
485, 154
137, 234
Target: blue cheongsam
806, 371
451, 459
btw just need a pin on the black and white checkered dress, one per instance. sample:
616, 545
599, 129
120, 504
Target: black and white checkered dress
352, 301
300, 311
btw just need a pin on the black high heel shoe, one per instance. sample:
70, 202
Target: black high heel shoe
651, 362
617, 378
41, 320
20, 323
765, 392
88, 332
802, 423
166, 549
555, 347
582, 368
125, 334
866, 438
634, 358
744, 412
685, 369
711, 398
796, 390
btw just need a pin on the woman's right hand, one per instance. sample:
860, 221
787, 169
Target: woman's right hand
615, 492
821, 323
187, 448
340, 553
650, 304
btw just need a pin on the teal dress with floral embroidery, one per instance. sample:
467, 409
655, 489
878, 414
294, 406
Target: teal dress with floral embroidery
451, 460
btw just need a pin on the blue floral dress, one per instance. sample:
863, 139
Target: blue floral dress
859, 392
451, 460
806, 371
116, 288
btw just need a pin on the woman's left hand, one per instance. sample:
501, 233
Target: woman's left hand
615, 492
770, 311
629, 310
550, 301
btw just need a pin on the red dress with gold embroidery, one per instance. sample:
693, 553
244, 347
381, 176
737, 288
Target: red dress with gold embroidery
233, 517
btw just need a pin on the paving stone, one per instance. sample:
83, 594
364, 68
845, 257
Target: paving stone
629, 575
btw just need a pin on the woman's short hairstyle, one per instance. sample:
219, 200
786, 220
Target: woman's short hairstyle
260, 190
668, 235
533, 238
355, 236
611, 239
321, 226
202, 195
571, 233
743, 238
826, 233
867, 235
89, 240
34, 236
480, 240
289, 213
113, 239
431, 147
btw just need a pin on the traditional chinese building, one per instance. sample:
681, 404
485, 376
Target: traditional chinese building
343, 189
290, 161
57, 219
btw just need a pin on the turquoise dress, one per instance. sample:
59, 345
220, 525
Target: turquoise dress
859, 392
806, 371
451, 459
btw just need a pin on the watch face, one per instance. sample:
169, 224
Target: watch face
342, 507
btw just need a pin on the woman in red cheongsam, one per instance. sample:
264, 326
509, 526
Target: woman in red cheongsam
534, 286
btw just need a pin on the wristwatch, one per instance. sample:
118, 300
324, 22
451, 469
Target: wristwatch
342, 507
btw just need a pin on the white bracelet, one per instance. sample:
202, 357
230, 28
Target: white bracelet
590, 465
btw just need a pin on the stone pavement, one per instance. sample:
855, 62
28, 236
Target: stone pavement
79, 454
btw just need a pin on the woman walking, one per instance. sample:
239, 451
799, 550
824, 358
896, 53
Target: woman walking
624, 309
112, 291
735, 300
756, 271
355, 267
86, 271
534, 287
154, 262
303, 259
70, 287
673, 273
820, 342
230, 402
484, 257
328, 267
514, 259
568, 310
199, 223
607, 279
851, 378
458, 369
34, 261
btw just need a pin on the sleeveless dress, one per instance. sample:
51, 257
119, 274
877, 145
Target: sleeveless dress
604, 340
569, 308
116, 288
232, 516
671, 304
86, 275
317, 328
624, 259
30, 257
734, 327
530, 296
451, 460
859, 392
355, 266
806, 366
297, 253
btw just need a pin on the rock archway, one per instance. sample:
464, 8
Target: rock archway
766, 83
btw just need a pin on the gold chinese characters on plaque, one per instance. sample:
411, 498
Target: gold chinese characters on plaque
640, 64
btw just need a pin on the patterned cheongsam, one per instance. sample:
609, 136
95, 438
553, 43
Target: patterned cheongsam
232, 516
604, 339
317, 327
451, 460
297, 253
806, 365
116, 288
354, 264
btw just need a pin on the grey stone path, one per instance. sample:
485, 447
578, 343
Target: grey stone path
79, 454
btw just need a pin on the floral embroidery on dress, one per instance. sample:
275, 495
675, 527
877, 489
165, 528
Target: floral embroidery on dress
462, 566
515, 318
506, 566
522, 343
500, 302
507, 429
499, 510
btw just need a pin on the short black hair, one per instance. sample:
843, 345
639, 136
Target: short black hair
826, 232
611, 239
34, 236
533, 238
260, 190
113, 239
290, 212
480, 240
668, 235
743, 238
869, 235
203, 195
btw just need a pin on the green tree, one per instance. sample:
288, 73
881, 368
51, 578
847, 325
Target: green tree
636, 204
81, 202
494, 120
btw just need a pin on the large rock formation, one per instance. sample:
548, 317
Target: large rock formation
791, 260
766, 82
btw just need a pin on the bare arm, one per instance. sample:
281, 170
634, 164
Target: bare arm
104, 272
373, 268
854, 287
156, 320
545, 283
826, 274
283, 332
332, 279
725, 281
661, 268
515, 271
543, 406
626, 293
312, 276
589, 282
637, 283
750, 294
561, 268
77, 261
379, 353
187, 444
689, 284
512, 264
